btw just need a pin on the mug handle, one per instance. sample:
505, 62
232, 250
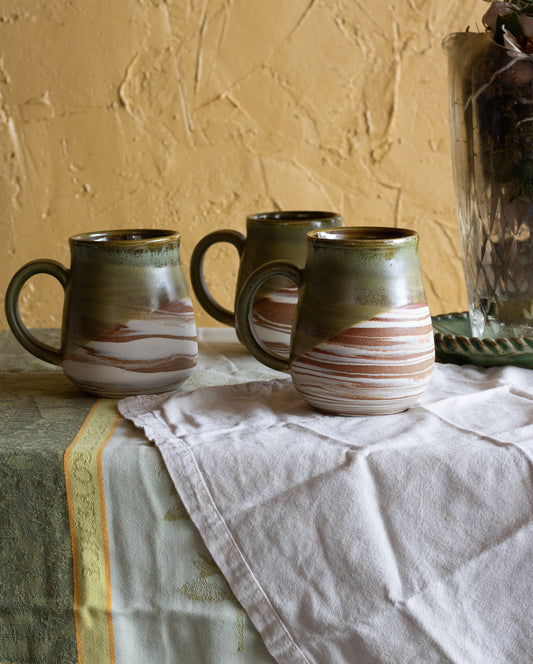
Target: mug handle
208, 302
32, 344
245, 302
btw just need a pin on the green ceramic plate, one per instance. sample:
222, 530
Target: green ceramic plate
454, 344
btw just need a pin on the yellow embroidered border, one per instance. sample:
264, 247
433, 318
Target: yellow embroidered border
88, 527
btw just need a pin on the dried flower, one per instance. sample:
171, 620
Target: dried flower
512, 25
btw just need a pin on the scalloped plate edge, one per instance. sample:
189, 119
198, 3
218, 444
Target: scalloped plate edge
459, 348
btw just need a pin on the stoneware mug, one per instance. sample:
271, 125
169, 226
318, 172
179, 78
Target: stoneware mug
269, 236
362, 340
128, 323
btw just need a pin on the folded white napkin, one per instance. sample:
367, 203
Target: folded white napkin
393, 539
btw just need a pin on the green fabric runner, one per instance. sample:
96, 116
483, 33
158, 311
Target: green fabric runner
98, 559
40, 414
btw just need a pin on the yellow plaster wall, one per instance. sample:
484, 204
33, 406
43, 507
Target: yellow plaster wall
191, 114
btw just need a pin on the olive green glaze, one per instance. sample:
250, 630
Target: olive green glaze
354, 275
146, 247
351, 275
198, 283
101, 262
38, 348
128, 325
131, 272
269, 236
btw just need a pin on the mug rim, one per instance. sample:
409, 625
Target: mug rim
449, 41
292, 217
125, 237
362, 236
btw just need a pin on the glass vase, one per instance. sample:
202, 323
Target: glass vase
491, 121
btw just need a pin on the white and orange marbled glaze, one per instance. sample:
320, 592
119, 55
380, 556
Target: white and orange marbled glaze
378, 367
152, 354
272, 316
274, 235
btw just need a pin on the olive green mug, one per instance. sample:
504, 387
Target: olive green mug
362, 341
269, 236
128, 323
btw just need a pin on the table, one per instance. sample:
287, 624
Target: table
384, 540
99, 562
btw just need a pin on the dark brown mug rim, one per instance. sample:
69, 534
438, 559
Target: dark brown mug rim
127, 237
292, 217
363, 236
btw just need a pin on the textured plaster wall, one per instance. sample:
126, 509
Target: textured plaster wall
191, 114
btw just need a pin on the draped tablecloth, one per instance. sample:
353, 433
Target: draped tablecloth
99, 560
392, 539
258, 530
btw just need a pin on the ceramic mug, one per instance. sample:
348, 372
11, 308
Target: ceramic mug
269, 236
128, 323
362, 340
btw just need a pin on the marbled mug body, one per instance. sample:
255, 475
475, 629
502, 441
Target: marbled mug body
128, 323
362, 339
269, 236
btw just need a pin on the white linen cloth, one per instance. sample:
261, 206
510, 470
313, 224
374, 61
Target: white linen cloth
402, 539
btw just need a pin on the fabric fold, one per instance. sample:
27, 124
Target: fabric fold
398, 538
